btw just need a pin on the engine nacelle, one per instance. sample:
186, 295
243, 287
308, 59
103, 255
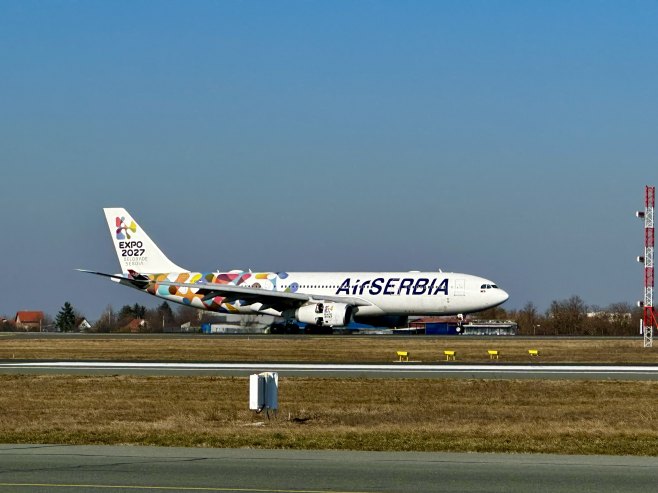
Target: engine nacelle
325, 313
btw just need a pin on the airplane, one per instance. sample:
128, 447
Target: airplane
320, 299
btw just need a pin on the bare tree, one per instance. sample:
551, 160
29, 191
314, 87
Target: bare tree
529, 320
107, 321
185, 314
7, 324
567, 317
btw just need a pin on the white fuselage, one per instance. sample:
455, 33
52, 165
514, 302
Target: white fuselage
390, 293
405, 293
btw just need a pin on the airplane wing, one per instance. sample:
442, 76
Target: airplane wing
256, 295
231, 293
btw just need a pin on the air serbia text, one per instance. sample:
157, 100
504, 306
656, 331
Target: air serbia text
394, 286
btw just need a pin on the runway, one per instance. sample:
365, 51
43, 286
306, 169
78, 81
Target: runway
326, 370
67, 469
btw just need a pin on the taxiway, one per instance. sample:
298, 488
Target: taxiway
40, 468
327, 370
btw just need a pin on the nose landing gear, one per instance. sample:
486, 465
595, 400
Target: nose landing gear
460, 323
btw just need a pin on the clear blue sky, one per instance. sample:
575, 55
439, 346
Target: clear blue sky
506, 139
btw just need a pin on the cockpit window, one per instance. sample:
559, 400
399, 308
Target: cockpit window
484, 286
494, 286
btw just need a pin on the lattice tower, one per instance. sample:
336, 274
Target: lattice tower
649, 314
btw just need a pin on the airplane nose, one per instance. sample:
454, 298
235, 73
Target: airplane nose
504, 296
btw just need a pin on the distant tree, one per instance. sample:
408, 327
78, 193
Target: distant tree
48, 321
567, 317
106, 322
597, 322
124, 316
636, 315
621, 319
130, 312
6, 324
65, 319
614, 320
529, 320
166, 313
159, 318
186, 313
139, 311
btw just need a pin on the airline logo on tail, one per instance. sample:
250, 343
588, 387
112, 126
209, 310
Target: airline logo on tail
131, 251
123, 229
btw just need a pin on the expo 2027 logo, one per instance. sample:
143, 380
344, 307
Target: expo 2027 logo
123, 229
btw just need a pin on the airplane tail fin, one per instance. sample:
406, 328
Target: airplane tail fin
135, 250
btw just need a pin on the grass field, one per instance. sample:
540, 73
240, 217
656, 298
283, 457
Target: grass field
423, 415
573, 417
324, 349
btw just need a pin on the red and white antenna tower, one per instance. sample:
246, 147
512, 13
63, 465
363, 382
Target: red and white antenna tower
649, 315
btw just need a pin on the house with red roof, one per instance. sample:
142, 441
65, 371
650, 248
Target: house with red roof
135, 325
29, 320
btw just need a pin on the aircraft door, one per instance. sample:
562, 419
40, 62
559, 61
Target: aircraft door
460, 287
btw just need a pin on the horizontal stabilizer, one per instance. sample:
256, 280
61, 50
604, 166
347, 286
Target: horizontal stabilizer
136, 281
112, 276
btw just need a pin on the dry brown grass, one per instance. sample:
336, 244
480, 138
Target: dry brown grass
324, 349
458, 415
511, 416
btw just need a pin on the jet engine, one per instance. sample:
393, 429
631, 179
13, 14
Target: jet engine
325, 313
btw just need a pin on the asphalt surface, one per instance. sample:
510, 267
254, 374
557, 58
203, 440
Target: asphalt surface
46, 468
331, 370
